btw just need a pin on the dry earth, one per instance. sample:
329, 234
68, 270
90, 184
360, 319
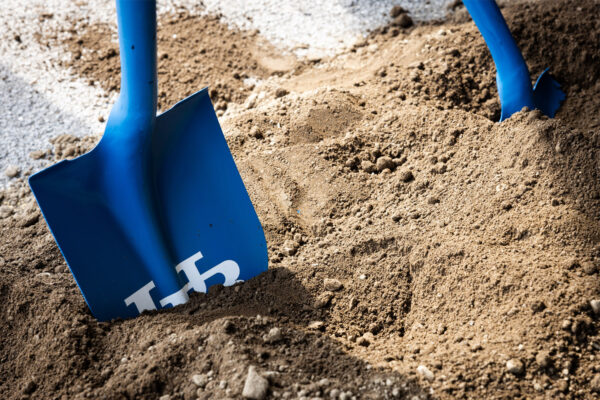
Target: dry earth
417, 247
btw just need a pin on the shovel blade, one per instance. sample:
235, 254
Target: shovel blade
202, 208
547, 94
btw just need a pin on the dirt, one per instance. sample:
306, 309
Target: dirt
417, 247
193, 52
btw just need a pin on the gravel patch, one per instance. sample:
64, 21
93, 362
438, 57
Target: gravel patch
315, 28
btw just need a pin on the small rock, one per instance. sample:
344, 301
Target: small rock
334, 393
290, 247
363, 341
538, 306
352, 162
255, 132
595, 304
367, 166
11, 171
316, 325
323, 300
101, 118
595, 383
566, 325
280, 92
36, 155
6, 211
228, 326
30, 387
562, 386
333, 285
29, 220
256, 386
200, 380
273, 336
425, 372
164, 397
543, 359
385, 163
432, 200
515, 366
406, 176
403, 21
589, 268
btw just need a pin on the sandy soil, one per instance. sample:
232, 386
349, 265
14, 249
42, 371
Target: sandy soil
417, 247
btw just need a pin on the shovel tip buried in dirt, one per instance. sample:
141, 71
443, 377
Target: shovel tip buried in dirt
157, 209
513, 78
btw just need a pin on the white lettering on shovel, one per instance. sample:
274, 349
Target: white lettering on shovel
142, 299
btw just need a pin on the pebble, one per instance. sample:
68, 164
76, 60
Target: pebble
273, 336
403, 21
515, 366
406, 176
367, 166
30, 387
566, 325
165, 397
425, 372
589, 268
37, 154
363, 341
255, 132
256, 386
6, 211
333, 285
29, 220
595, 304
11, 171
316, 325
385, 162
323, 300
562, 386
290, 247
200, 380
334, 393
595, 383
280, 92
543, 359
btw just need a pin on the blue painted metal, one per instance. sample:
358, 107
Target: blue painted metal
512, 78
157, 208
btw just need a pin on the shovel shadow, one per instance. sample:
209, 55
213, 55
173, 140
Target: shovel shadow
277, 299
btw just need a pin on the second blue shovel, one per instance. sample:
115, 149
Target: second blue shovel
512, 78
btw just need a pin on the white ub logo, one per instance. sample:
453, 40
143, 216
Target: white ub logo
196, 281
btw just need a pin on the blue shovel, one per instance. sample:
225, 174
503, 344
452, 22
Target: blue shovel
512, 78
157, 209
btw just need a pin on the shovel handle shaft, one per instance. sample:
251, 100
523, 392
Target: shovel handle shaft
137, 43
513, 80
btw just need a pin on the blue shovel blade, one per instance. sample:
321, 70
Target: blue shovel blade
202, 208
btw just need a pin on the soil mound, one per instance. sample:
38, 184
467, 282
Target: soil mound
417, 248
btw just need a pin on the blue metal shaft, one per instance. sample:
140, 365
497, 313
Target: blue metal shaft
126, 145
513, 79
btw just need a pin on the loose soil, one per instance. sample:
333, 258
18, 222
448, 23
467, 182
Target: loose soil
459, 243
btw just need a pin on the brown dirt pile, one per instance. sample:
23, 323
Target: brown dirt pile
193, 52
417, 248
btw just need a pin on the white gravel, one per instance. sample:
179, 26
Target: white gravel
40, 100
317, 28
